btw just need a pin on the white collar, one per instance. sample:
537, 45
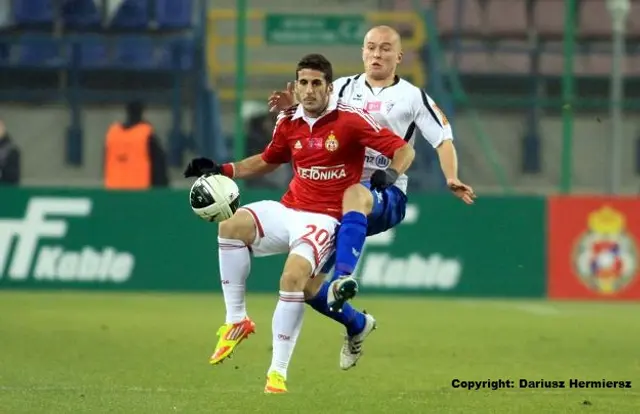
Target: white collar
333, 104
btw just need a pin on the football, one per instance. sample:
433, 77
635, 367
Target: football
214, 198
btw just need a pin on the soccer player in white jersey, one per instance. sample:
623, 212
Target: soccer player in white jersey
379, 202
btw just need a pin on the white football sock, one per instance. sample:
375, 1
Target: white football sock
235, 264
287, 323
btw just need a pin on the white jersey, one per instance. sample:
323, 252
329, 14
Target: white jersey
400, 107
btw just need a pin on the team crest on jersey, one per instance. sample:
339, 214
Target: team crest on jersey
388, 106
331, 143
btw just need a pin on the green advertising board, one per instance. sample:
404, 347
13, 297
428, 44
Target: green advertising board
93, 239
495, 248
314, 29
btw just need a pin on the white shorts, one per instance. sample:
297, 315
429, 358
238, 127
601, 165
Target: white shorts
280, 229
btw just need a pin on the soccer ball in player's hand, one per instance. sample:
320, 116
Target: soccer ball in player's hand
214, 197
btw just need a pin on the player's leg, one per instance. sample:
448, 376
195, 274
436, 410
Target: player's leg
257, 225
312, 242
387, 210
287, 320
316, 296
358, 202
234, 237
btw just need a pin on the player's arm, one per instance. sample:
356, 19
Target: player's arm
402, 158
448, 159
276, 153
251, 167
373, 135
435, 128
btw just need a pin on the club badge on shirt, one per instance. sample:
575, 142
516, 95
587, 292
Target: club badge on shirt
331, 143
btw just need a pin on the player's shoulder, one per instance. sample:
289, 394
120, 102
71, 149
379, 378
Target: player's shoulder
340, 85
345, 80
353, 115
409, 90
350, 110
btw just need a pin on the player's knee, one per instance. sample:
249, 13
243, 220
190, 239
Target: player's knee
357, 198
239, 227
296, 273
313, 286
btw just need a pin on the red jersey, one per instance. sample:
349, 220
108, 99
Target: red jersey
327, 154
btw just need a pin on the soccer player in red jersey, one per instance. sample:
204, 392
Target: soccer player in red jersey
379, 203
325, 142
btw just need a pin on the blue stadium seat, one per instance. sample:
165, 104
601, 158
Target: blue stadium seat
41, 52
93, 52
81, 14
135, 52
32, 12
174, 14
132, 14
183, 50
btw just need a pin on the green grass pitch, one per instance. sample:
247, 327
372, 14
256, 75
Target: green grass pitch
147, 353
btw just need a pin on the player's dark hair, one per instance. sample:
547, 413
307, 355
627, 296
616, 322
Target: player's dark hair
316, 61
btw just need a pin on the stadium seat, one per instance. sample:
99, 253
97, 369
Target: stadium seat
471, 18
594, 20
548, 18
174, 14
132, 14
41, 52
507, 18
632, 66
593, 64
503, 63
93, 52
633, 22
32, 12
81, 14
184, 49
552, 64
135, 52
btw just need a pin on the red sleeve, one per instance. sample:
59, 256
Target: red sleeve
278, 151
371, 134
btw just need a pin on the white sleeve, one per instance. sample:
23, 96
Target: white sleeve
430, 120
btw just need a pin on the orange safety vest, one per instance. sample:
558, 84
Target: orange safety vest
127, 160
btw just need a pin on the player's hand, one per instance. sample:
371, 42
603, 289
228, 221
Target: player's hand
201, 166
281, 100
461, 190
382, 179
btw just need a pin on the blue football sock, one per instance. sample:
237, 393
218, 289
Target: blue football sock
352, 319
349, 243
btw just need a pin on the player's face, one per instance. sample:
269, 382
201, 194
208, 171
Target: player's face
312, 91
381, 53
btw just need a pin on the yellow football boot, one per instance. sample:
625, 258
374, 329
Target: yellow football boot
276, 384
230, 335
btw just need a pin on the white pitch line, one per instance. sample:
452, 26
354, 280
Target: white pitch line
540, 310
